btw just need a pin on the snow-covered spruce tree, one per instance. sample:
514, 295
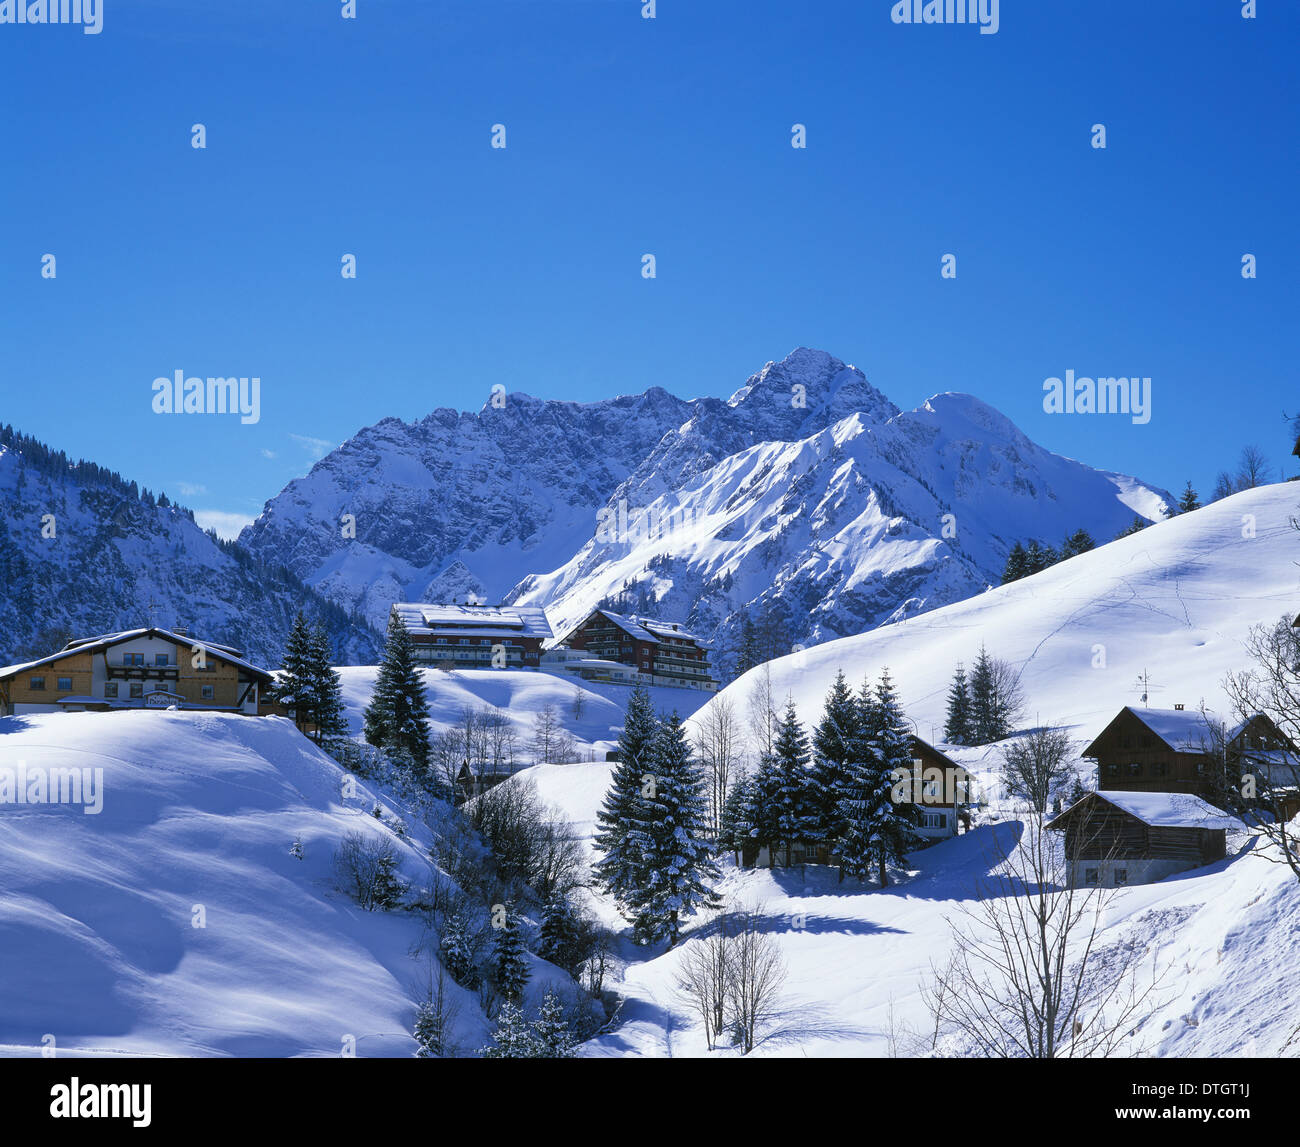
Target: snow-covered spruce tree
619, 867
763, 810
559, 935
398, 713
514, 1038
509, 956
458, 948
425, 1031
957, 727
295, 685
672, 842
327, 685
552, 1036
1077, 793
1190, 500
796, 812
831, 747
895, 825
734, 824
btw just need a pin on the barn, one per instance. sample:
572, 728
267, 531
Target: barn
1118, 838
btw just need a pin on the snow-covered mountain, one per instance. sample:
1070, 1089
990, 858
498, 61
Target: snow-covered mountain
83, 551
807, 495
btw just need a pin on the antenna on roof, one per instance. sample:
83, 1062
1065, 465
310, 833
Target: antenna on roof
1145, 688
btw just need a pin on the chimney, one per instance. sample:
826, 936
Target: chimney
1179, 708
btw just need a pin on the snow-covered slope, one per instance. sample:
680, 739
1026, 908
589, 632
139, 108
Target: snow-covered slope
808, 490
199, 812
1176, 600
84, 552
594, 721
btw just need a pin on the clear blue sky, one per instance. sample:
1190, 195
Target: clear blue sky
626, 136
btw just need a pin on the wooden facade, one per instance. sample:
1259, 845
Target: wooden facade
144, 668
1135, 838
663, 653
1156, 751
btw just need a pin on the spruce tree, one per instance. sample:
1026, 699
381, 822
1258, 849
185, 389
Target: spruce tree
749, 656
671, 841
1077, 793
398, 713
330, 716
552, 1035
895, 823
1017, 564
795, 811
509, 956
618, 867
957, 729
734, 822
983, 701
1035, 559
514, 1038
426, 1031
1079, 542
1189, 500
295, 684
558, 936
832, 742
858, 798
456, 948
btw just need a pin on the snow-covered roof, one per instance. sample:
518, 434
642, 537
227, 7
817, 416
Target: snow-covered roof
1183, 730
1162, 810
107, 640
425, 619
649, 630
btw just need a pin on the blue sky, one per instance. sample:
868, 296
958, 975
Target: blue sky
629, 136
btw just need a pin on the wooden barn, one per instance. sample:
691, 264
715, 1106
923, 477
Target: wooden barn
1118, 838
1157, 750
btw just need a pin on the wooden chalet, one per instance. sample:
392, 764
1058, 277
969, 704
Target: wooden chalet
1177, 751
146, 668
661, 652
475, 636
1118, 838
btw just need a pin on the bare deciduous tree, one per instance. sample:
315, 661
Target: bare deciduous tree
763, 719
704, 977
1036, 766
1026, 978
757, 973
718, 745
1269, 780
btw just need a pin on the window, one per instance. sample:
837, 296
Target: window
110, 688
160, 659
1090, 875
1112, 770
137, 659
1159, 768
934, 820
37, 683
137, 690
1121, 876
1134, 769
65, 685
207, 692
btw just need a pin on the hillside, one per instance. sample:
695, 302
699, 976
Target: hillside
1176, 600
200, 809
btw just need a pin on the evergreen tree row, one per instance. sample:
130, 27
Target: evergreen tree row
836, 790
1034, 558
308, 685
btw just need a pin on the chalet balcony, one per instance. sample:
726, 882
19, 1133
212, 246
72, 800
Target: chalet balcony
118, 672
